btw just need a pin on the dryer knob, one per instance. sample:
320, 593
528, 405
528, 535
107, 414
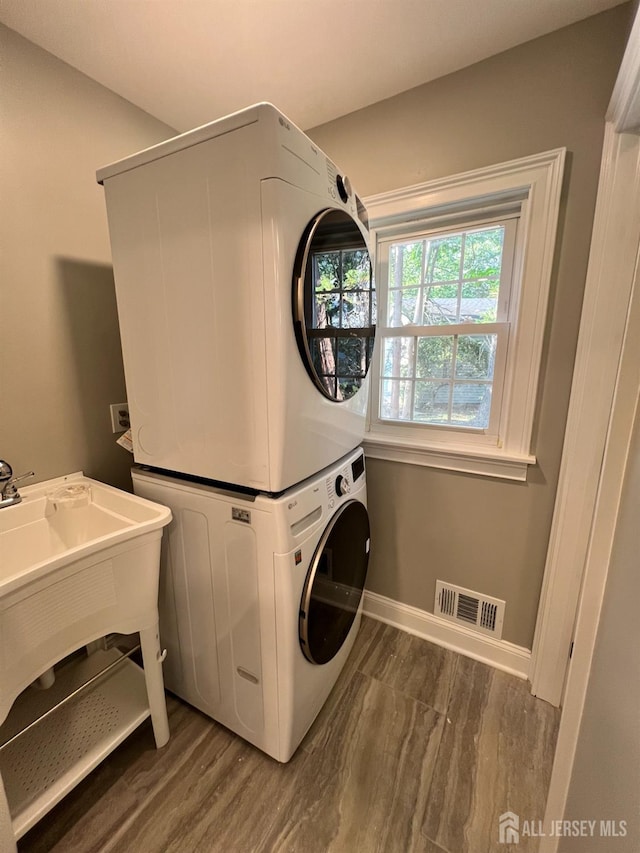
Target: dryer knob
344, 187
343, 487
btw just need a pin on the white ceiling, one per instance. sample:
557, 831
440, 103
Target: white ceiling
188, 62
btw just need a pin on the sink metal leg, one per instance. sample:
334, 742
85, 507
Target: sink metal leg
152, 662
7, 837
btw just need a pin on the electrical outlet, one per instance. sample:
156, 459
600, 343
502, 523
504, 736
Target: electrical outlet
119, 417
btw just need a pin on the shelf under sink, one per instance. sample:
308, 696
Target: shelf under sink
44, 763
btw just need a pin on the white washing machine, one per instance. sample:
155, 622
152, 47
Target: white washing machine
245, 299
261, 597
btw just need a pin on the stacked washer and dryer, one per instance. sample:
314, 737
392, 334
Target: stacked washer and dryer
247, 317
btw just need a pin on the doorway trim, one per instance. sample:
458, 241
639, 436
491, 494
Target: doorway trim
604, 334
602, 413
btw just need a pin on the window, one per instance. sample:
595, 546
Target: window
463, 270
444, 325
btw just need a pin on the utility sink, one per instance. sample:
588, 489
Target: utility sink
66, 519
79, 560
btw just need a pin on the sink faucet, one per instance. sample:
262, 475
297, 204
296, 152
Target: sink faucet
9, 495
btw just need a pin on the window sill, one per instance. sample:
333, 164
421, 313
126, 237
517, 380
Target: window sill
486, 462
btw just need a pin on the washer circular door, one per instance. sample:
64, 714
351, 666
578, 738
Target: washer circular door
334, 304
334, 583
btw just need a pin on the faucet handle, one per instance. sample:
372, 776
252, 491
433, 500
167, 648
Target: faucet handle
6, 471
24, 476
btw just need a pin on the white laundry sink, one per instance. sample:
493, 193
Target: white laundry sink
63, 520
78, 560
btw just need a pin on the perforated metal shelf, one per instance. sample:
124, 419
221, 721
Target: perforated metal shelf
46, 762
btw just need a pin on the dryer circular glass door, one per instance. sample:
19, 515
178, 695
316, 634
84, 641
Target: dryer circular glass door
334, 584
334, 304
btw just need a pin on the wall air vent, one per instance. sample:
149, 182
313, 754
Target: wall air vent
476, 611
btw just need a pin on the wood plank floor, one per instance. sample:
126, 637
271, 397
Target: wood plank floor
417, 749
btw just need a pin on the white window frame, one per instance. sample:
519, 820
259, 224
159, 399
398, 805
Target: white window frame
530, 186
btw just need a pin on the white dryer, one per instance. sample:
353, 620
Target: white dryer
245, 300
260, 597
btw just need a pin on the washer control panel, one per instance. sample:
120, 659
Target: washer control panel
339, 485
343, 486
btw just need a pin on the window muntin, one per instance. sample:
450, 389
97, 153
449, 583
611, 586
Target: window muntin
445, 329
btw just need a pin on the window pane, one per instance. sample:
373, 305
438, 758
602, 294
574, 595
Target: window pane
475, 356
431, 404
443, 261
405, 264
326, 270
351, 357
327, 310
435, 357
483, 253
355, 270
397, 358
441, 305
395, 399
402, 307
461, 404
479, 303
471, 404
323, 356
348, 386
355, 310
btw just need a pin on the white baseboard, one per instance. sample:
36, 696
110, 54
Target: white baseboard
497, 653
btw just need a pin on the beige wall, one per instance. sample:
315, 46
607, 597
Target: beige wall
485, 534
60, 363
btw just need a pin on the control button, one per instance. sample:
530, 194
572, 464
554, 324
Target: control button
344, 187
343, 487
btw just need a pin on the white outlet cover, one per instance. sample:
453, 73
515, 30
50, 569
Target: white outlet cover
119, 416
